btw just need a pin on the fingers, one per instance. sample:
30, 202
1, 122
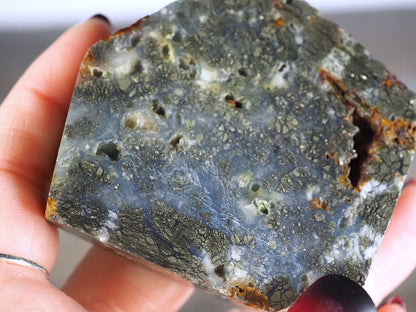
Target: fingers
392, 308
31, 122
107, 282
33, 114
244, 310
21, 292
396, 257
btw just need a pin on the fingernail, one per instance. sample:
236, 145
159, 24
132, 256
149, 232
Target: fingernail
334, 293
397, 300
103, 18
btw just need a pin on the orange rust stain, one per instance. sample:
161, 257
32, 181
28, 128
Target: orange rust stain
278, 5
364, 178
250, 295
232, 102
384, 132
89, 58
400, 131
50, 208
332, 155
344, 178
347, 96
392, 80
317, 205
130, 28
86, 62
279, 22
389, 132
388, 83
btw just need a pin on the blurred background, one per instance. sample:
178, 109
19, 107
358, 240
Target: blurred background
387, 28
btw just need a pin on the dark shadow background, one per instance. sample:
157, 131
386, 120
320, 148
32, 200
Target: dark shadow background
390, 36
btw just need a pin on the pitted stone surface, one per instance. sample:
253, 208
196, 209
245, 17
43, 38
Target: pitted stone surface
249, 146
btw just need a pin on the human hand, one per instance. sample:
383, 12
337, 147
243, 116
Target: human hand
396, 257
31, 122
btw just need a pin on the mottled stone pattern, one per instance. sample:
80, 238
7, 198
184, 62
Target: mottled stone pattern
249, 146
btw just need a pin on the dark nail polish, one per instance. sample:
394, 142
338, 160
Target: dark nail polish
334, 293
397, 300
102, 17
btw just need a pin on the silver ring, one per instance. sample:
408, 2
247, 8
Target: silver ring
23, 262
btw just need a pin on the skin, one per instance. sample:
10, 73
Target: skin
31, 122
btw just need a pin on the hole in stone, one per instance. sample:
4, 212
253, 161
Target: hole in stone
138, 67
255, 187
220, 270
135, 40
97, 73
230, 99
264, 210
158, 109
177, 37
243, 71
363, 140
110, 149
238, 104
282, 67
292, 26
165, 51
176, 140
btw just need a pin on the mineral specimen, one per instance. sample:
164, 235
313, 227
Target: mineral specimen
249, 146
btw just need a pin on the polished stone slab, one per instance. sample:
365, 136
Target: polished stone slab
249, 147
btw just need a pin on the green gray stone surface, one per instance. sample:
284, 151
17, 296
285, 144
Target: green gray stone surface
249, 146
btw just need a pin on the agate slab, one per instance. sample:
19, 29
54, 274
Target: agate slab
248, 146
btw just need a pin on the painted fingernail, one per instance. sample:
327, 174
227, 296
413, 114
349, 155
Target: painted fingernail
397, 300
334, 293
102, 17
